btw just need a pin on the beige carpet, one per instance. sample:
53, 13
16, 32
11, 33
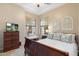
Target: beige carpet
15, 52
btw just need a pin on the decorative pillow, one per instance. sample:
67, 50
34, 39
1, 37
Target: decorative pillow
69, 38
57, 36
50, 35
73, 38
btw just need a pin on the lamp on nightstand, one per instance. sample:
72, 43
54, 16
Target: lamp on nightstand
46, 29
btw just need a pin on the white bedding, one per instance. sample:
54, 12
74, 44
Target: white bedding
71, 48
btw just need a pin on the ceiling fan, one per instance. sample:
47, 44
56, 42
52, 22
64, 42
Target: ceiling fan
39, 5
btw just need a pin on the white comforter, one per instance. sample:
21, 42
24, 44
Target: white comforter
71, 48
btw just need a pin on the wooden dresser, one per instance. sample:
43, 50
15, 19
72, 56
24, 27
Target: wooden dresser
11, 41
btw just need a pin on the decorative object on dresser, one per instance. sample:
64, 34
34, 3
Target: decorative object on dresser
11, 41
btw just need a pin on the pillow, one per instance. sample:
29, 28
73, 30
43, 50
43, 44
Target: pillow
73, 38
50, 35
69, 38
57, 36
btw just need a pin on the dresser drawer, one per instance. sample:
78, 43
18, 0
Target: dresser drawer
7, 46
7, 42
15, 46
15, 38
15, 34
7, 34
8, 38
7, 49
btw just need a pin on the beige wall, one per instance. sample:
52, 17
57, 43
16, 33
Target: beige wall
60, 13
14, 14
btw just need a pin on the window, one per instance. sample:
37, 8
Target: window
44, 26
44, 29
31, 25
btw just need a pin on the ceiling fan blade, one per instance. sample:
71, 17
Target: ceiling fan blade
48, 3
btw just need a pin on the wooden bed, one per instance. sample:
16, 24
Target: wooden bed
33, 48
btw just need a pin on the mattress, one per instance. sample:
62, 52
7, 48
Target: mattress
71, 48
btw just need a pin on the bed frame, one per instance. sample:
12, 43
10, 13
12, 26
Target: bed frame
33, 48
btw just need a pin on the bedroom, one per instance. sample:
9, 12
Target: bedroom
42, 23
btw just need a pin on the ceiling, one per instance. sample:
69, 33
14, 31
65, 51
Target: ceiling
44, 7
